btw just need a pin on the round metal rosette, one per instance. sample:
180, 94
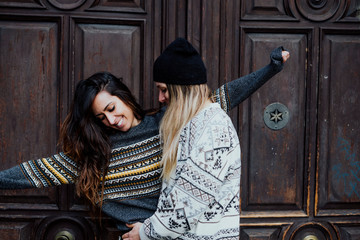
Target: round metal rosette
310, 231
67, 4
276, 116
318, 10
65, 228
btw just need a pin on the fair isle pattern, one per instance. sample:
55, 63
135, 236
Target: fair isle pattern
134, 171
201, 199
52, 171
221, 96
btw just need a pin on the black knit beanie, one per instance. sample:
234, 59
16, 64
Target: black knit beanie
180, 64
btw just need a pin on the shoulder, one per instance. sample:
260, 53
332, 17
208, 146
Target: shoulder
209, 123
155, 115
211, 114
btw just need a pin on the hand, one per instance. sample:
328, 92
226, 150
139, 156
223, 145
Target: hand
134, 233
285, 55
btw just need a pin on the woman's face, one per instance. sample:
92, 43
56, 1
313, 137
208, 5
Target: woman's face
163, 92
113, 112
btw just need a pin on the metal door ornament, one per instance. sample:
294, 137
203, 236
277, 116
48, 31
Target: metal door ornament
276, 116
311, 237
64, 235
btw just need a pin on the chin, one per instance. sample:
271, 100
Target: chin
120, 129
124, 129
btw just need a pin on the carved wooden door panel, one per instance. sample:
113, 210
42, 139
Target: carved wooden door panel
46, 47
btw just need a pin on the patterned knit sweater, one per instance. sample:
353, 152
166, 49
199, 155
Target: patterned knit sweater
201, 199
133, 181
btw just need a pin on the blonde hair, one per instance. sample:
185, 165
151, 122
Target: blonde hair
185, 101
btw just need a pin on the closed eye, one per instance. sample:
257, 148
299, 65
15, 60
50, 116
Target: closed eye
112, 109
101, 117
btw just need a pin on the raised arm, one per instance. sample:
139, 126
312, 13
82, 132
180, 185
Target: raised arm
231, 94
45, 172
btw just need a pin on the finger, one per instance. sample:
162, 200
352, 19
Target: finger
285, 55
130, 225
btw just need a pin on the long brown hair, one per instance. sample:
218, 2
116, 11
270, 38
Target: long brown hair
85, 139
185, 101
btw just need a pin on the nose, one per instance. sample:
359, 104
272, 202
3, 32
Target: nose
161, 97
111, 119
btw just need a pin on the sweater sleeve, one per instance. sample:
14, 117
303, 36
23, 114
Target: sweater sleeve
45, 172
200, 186
13, 178
231, 94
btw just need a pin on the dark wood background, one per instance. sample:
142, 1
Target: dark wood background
300, 182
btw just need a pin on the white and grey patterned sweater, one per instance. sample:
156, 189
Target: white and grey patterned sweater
201, 199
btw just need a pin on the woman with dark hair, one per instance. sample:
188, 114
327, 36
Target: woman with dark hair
87, 141
111, 152
111, 146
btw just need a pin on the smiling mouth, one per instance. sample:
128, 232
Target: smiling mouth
120, 122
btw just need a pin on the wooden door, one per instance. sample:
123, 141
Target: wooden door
300, 170
46, 47
300, 178
302, 181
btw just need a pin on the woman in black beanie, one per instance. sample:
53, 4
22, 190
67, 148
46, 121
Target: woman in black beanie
201, 156
239, 89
